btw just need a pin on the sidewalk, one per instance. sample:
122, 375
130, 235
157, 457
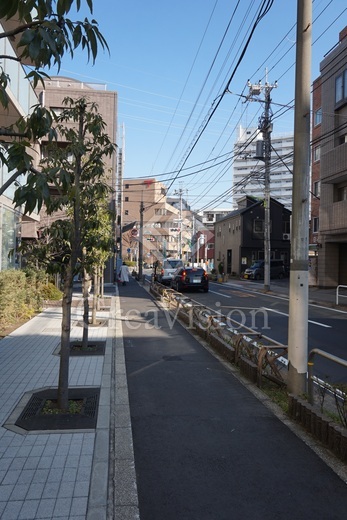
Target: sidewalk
60, 474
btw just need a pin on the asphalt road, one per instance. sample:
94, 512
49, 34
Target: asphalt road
205, 447
327, 327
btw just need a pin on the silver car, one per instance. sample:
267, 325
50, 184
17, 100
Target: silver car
167, 270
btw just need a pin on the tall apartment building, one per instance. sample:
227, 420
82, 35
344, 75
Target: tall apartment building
315, 181
59, 87
14, 226
330, 158
248, 171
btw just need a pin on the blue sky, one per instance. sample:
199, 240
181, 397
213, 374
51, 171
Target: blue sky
170, 62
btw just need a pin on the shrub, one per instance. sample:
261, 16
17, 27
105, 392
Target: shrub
50, 292
13, 305
22, 293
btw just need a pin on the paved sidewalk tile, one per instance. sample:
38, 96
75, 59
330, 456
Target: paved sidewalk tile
44, 475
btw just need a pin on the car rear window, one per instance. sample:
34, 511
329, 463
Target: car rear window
172, 264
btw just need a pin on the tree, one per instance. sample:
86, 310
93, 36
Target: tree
74, 175
98, 246
43, 35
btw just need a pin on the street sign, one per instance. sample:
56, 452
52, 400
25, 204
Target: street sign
128, 250
134, 232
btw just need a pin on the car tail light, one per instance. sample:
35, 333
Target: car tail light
184, 274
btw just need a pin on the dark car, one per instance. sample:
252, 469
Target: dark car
256, 271
190, 278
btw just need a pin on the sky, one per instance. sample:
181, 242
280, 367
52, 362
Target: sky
171, 63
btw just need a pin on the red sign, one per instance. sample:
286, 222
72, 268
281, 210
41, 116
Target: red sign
134, 232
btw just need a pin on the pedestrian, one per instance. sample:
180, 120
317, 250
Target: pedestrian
124, 274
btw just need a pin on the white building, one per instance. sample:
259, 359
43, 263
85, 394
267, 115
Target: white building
248, 170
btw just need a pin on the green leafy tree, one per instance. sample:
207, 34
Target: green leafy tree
42, 35
75, 175
98, 247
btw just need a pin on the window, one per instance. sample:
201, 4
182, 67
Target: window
316, 154
126, 199
126, 212
258, 226
341, 87
342, 193
286, 226
126, 186
318, 116
160, 211
315, 224
316, 189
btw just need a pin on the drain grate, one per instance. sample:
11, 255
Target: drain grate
31, 418
31, 408
93, 348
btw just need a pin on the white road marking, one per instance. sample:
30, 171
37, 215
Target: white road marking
220, 294
309, 321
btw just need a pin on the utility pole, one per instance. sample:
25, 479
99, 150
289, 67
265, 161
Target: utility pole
180, 193
298, 285
265, 126
119, 203
142, 209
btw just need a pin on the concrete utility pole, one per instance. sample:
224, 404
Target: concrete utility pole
180, 193
142, 209
265, 126
298, 287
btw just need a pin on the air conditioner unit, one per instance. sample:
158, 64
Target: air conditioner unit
286, 236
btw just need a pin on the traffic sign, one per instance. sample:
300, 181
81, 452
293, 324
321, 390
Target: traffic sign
134, 232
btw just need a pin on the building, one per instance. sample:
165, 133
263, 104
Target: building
329, 156
55, 91
248, 169
14, 226
239, 237
315, 181
167, 229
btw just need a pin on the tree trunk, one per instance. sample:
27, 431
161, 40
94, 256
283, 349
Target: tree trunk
63, 385
85, 289
95, 298
101, 282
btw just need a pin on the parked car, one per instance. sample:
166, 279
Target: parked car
256, 271
169, 266
190, 278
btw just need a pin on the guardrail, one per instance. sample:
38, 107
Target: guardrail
317, 352
340, 295
255, 354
